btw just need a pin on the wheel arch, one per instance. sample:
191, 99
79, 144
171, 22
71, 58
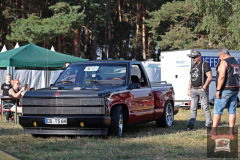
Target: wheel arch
125, 109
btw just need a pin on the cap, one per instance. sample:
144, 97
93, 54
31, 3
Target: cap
194, 54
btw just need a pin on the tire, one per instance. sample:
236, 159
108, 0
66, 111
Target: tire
168, 116
117, 121
38, 136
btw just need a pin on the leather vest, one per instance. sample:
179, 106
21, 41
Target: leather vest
231, 81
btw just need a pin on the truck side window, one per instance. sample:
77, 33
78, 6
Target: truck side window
136, 71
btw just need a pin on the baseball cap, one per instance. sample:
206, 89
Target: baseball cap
194, 54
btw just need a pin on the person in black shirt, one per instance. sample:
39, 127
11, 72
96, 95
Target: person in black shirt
200, 78
5, 88
227, 85
15, 91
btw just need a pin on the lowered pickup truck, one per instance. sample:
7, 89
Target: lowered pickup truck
98, 98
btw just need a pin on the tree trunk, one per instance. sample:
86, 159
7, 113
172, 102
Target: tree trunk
2, 26
137, 30
59, 43
120, 20
119, 11
104, 54
149, 47
76, 43
31, 6
127, 15
94, 49
63, 42
144, 31
23, 6
109, 29
86, 43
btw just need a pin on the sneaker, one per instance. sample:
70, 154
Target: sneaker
11, 119
190, 126
7, 121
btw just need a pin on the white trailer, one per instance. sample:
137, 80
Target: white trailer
176, 70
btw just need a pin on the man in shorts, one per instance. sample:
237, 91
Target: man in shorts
227, 84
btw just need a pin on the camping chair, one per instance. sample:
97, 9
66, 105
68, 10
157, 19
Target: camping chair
5, 108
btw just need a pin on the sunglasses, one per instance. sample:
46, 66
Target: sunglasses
195, 57
18, 83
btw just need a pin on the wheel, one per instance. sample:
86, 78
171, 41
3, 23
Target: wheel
167, 119
117, 117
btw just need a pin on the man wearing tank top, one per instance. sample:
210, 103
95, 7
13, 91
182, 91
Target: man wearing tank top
227, 85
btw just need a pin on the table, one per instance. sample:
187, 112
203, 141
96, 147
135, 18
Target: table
14, 105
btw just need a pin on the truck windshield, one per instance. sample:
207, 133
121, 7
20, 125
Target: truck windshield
89, 74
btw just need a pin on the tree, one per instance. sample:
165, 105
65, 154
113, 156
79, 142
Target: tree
173, 26
220, 20
36, 30
196, 24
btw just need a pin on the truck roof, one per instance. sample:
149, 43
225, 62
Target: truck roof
109, 61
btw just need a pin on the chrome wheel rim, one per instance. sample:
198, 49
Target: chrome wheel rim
169, 114
120, 126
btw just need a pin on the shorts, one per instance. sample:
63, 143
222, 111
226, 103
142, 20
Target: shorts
227, 98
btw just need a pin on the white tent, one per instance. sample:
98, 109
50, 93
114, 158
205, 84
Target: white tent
17, 45
4, 48
52, 49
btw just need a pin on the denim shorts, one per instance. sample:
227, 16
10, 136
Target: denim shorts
227, 98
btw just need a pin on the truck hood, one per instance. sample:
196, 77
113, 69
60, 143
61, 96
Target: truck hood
73, 91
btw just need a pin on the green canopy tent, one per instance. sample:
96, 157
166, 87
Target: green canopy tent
34, 57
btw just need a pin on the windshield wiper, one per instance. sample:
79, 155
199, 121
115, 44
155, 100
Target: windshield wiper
94, 80
102, 82
64, 82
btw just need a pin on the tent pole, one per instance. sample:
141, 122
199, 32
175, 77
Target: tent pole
10, 71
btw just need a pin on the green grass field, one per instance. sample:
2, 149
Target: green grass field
144, 141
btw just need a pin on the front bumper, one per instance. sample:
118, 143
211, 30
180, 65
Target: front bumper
93, 125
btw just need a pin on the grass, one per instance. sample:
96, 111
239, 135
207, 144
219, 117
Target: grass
144, 141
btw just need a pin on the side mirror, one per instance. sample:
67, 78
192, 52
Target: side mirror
51, 85
134, 85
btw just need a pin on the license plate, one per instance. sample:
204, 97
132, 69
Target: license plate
55, 120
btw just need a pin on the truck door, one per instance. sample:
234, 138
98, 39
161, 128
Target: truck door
142, 99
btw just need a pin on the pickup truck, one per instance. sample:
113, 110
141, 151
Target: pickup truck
98, 98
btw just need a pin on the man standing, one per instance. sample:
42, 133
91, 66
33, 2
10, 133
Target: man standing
200, 78
5, 87
227, 84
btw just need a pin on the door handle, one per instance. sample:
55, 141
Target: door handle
149, 94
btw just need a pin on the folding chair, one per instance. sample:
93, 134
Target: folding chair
4, 109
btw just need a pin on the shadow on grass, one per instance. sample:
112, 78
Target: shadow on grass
147, 129
138, 130
11, 131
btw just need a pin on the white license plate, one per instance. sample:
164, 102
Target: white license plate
55, 120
